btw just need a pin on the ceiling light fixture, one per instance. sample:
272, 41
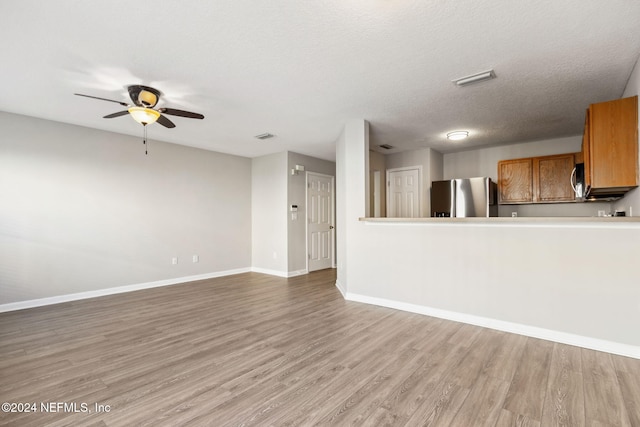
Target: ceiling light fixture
457, 135
475, 78
144, 116
264, 136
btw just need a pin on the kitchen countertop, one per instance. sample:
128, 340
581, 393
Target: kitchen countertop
595, 221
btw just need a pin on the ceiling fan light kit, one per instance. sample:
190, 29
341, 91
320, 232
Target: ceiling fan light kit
144, 116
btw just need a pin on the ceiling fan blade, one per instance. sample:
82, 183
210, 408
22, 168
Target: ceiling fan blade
124, 104
118, 114
165, 122
181, 113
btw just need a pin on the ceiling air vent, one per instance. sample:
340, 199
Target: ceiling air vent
386, 146
475, 78
264, 136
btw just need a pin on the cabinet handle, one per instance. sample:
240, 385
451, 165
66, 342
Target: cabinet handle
573, 175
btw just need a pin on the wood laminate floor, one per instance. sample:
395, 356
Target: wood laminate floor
256, 350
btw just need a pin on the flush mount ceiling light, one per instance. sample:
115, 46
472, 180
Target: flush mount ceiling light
457, 135
144, 116
264, 136
475, 78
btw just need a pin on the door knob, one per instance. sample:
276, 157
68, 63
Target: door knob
331, 227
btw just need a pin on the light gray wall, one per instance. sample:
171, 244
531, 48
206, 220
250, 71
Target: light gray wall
341, 211
484, 162
297, 195
269, 213
631, 202
84, 210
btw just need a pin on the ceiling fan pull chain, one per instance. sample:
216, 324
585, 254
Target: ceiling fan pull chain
144, 141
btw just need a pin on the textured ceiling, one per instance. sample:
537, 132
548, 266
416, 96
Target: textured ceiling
301, 69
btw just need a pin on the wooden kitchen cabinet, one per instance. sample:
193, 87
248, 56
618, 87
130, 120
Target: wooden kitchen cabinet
610, 146
536, 180
515, 181
552, 178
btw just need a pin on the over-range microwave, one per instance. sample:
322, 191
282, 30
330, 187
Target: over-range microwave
583, 191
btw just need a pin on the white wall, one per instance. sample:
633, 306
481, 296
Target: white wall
484, 162
631, 202
352, 193
269, 213
297, 195
83, 210
575, 281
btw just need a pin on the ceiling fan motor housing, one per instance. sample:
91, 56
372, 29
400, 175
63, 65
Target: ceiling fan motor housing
144, 96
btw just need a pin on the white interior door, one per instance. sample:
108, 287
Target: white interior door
403, 197
320, 228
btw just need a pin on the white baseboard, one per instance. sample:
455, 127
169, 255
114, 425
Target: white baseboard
21, 305
269, 272
298, 273
342, 290
500, 325
285, 274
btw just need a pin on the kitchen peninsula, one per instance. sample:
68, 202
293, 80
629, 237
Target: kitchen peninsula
567, 279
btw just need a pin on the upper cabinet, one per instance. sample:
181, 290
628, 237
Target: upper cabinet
536, 180
515, 181
610, 146
552, 178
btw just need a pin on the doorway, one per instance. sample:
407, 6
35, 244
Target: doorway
320, 220
404, 198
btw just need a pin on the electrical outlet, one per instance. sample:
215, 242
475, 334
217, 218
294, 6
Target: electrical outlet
195, 258
601, 213
174, 260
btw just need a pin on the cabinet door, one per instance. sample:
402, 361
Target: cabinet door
515, 178
552, 178
613, 136
586, 151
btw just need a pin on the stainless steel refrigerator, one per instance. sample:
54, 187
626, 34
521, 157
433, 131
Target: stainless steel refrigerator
465, 197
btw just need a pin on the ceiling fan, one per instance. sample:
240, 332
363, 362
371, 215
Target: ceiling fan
144, 98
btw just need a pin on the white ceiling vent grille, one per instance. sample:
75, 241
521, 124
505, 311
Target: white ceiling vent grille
264, 136
475, 78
